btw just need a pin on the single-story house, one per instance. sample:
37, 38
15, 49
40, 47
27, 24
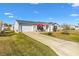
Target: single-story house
7, 26
32, 26
75, 27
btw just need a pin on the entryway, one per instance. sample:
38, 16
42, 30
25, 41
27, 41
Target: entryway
40, 27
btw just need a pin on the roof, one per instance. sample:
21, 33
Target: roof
23, 22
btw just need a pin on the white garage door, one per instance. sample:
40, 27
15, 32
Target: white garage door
27, 28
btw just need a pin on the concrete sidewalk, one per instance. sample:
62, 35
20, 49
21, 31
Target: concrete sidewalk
61, 47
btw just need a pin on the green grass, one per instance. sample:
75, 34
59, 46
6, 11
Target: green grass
73, 36
22, 45
6, 33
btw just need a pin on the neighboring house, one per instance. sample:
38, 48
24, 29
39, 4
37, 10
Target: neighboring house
72, 27
1, 25
31, 26
7, 26
76, 27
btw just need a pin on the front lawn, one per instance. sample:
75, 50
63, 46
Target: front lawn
22, 45
6, 33
73, 36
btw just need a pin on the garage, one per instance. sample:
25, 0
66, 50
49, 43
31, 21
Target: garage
27, 28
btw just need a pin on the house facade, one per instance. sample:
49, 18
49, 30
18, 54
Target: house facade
75, 27
31, 26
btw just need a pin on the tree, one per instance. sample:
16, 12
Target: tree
5, 24
1, 23
66, 28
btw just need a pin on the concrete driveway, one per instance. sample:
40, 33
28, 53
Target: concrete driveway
61, 47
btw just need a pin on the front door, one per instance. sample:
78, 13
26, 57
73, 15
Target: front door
40, 28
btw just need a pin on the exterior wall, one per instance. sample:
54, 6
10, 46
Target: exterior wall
11, 28
34, 28
16, 26
20, 28
75, 27
59, 28
50, 28
3, 27
45, 29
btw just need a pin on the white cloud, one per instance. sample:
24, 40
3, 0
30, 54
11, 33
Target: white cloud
7, 13
36, 12
75, 4
50, 18
10, 16
74, 15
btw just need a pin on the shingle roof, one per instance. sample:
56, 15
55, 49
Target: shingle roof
23, 22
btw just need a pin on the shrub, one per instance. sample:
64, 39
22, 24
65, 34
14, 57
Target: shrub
72, 28
66, 29
49, 33
2, 32
65, 32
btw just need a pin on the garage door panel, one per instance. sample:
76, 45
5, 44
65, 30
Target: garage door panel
27, 28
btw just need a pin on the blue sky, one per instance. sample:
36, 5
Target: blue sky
48, 12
